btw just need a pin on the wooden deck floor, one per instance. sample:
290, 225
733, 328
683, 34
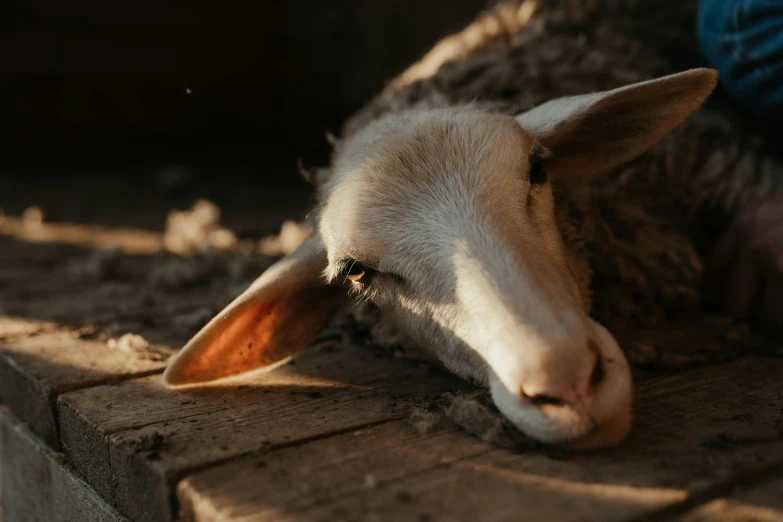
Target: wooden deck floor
329, 436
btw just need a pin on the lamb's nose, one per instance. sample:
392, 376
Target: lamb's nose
574, 385
574, 390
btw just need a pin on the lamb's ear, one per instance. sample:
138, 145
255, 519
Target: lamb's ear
281, 312
591, 133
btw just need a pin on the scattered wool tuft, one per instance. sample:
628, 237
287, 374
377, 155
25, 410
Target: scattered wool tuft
292, 234
370, 481
475, 413
423, 421
32, 218
197, 230
129, 343
138, 345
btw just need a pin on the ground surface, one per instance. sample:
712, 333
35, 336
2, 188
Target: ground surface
346, 431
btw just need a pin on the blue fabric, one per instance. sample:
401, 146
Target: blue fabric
743, 39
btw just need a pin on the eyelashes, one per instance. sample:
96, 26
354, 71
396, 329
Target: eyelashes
361, 276
357, 273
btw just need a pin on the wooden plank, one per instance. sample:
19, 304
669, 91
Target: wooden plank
763, 503
692, 431
133, 440
285, 482
38, 361
36, 485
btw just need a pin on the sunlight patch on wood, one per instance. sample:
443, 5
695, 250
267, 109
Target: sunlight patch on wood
623, 492
129, 240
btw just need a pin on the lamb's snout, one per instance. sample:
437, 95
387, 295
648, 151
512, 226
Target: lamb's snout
575, 391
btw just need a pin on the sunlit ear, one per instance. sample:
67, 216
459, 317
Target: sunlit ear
591, 133
281, 312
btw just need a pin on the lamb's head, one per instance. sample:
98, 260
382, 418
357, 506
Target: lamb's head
445, 219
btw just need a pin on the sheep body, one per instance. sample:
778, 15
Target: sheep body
642, 228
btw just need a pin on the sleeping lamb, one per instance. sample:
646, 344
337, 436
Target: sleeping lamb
484, 233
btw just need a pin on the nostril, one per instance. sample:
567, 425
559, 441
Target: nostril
597, 374
573, 380
541, 399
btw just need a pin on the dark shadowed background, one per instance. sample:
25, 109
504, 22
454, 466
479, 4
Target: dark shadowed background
115, 112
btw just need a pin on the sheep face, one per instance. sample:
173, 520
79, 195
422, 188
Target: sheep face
445, 219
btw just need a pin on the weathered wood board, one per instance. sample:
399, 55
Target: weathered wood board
38, 361
37, 486
763, 503
134, 439
692, 431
